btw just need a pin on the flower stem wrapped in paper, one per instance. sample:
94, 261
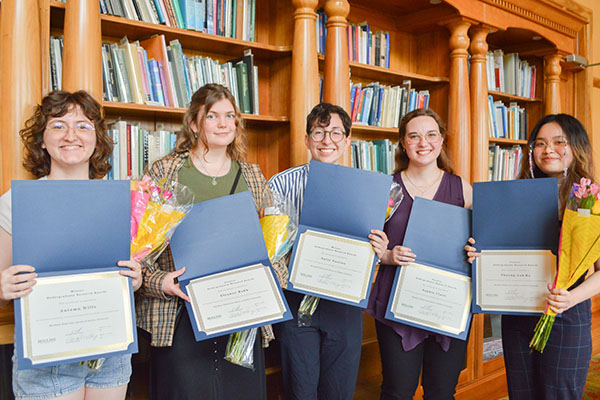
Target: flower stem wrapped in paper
156, 210
579, 248
278, 221
309, 303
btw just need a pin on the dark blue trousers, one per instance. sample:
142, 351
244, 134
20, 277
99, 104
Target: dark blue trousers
320, 361
559, 373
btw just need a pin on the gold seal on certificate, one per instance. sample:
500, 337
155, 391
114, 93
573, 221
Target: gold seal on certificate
334, 266
514, 280
72, 316
432, 298
235, 299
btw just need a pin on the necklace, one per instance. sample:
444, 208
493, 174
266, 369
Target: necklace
203, 167
424, 189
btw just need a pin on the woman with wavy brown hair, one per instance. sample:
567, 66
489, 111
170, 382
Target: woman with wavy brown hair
422, 169
209, 159
65, 139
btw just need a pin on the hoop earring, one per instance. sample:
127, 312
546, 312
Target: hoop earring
531, 164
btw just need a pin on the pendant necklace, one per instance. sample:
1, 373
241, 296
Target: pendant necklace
214, 177
427, 187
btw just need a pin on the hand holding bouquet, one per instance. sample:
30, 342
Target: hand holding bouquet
278, 221
156, 210
579, 248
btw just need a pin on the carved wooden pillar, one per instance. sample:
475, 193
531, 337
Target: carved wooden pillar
82, 53
305, 77
479, 107
21, 91
336, 82
459, 122
21, 74
552, 80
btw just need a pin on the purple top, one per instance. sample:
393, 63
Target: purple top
450, 191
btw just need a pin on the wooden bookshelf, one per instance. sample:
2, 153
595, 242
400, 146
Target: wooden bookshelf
506, 142
510, 97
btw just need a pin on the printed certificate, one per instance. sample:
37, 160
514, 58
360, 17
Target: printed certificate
334, 266
235, 299
72, 316
514, 280
432, 298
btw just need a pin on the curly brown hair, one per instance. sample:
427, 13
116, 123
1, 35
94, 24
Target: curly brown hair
202, 102
57, 103
443, 161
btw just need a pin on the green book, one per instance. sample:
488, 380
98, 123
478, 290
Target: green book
243, 88
178, 15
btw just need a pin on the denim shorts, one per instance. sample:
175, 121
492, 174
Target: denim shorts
47, 382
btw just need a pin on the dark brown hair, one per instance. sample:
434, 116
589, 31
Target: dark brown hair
202, 102
56, 104
320, 115
402, 160
578, 141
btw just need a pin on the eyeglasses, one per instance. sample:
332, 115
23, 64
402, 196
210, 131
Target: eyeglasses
558, 144
430, 137
81, 128
318, 135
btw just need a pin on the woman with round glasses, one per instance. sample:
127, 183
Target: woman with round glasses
422, 169
66, 138
558, 147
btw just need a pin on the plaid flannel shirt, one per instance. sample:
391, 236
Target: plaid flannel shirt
156, 311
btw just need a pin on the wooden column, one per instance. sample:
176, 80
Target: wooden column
82, 53
459, 122
21, 74
21, 91
552, 88
479, 104
304, 88
336, 82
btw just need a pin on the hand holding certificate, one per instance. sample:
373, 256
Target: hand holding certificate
228, 276
332, 256
517, 245
73, 233
434, 292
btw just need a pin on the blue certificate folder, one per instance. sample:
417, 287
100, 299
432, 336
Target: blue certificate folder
70, 227
220, 235
346, 202
436, 233
514, 215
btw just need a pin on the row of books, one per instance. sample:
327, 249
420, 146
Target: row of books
56, 48
229, 18
507, 73
384, 106
374, 155
506, 122
367, 47
364, 45
504, 163
150, 72
136, 148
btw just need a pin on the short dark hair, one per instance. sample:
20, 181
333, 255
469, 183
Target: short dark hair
320, 115
57, 103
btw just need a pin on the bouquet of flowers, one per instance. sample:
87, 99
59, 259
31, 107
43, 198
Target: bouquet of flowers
579, 248
278, 221
309, 303
156, 210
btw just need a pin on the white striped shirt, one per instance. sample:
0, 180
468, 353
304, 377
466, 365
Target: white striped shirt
290, 184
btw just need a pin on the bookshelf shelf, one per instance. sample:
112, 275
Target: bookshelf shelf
387, 75
502, 141
190, 40
143, 110
368, 129
510, 97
